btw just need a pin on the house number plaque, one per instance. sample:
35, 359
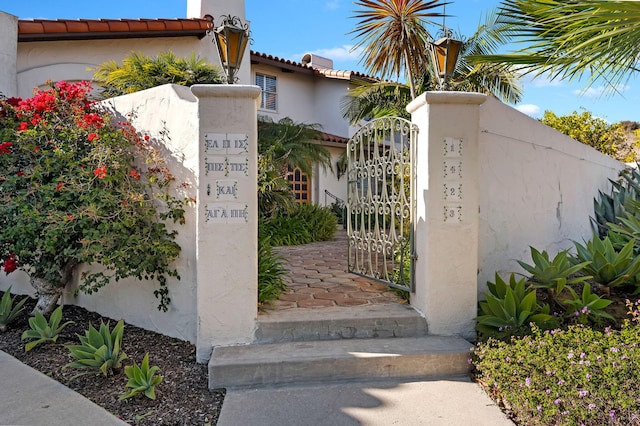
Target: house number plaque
226, 166
452, 169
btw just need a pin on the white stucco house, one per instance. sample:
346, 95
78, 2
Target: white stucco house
309, 91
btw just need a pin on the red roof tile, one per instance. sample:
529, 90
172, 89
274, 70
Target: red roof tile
84, 29
300, 67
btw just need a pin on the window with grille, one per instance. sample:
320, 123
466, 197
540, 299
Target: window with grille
269, 95
300, 185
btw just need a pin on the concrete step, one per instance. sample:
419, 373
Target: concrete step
338, 360
373, 321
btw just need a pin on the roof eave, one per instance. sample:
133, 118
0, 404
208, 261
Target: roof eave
108, 35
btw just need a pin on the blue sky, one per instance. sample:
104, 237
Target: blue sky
291, 28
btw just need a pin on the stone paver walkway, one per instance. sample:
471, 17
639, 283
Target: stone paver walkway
318, 278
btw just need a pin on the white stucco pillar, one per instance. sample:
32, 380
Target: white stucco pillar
227, 223
446, 225
8, 54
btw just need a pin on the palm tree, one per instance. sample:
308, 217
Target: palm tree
393, 36
596, 38
291, 144
373, 100
139, 72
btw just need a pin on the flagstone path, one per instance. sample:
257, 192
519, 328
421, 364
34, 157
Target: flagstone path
318, 278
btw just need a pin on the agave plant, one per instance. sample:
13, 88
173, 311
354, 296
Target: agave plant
509, 307
141, 379
608, 266
554, 274
608, 208
587, 306
627, 226
99, 349
9, 312
43, 330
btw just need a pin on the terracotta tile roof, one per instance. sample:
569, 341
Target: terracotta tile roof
333, 139
87, 29
286, 64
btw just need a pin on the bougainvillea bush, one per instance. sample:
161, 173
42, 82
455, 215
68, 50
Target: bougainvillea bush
77, 186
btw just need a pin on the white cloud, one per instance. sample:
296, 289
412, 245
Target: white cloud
542, 81
332, 4
530, 109
596, 92
342, 53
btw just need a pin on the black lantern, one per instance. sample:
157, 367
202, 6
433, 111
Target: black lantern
444, 55
231, 38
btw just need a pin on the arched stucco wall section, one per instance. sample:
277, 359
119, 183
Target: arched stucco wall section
32, 78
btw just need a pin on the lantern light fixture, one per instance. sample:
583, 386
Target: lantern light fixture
231, 38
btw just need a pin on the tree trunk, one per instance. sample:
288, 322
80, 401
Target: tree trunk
49, 293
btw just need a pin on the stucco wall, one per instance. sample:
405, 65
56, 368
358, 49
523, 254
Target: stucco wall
69, 60
8, 52
536, 188
327, 180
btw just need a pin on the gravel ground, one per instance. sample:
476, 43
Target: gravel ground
181, 399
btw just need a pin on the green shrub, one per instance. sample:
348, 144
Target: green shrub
569, 377
141, 379
99, 349
270, 272
9, 312
304, 224
43, 330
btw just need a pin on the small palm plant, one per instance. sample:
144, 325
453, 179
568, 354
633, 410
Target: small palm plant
9, 312
43, 330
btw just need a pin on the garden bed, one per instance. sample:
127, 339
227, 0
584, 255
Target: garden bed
183, 397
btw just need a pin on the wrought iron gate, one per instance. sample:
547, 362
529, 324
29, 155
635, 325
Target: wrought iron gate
381, 201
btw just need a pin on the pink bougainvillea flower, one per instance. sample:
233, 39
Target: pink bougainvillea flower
10, 264
92, 137
100, 172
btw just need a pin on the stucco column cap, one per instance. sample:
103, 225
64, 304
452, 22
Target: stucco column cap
468, 98
226, 91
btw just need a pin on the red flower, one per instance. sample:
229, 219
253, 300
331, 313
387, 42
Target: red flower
100, 172
5, 147
10, 264
36, 148
59, 186
134, 174
20, 174
92, 137
23, 126
146, 137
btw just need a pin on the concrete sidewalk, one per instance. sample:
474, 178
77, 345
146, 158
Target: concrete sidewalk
28, 397
432, 403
